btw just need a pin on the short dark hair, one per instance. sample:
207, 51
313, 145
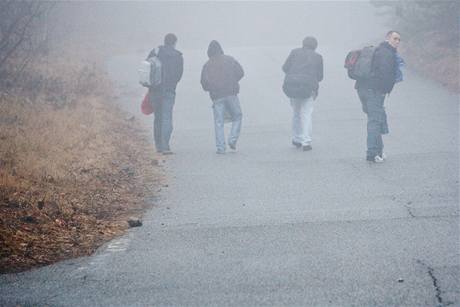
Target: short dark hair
170, 39
310, 42
391, 32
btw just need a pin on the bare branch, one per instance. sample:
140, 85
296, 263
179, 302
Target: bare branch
19, 26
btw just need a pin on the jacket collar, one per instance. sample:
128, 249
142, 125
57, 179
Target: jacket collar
387, 45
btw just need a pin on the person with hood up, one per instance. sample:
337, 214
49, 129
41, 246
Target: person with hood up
220, 76
163, 96
372, 91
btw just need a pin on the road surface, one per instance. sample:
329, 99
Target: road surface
272, 225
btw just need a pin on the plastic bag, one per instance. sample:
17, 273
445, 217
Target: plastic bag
146, 106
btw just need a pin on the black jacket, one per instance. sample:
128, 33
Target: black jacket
172, 65
384, 68
221, 73
304, 71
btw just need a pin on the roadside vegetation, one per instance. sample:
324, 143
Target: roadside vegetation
73, 167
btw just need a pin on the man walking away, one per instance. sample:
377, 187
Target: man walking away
163, 96
304, 71
372, 93
220, 76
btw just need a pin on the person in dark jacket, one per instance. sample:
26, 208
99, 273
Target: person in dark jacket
220, 76
163, 96
372, 93
304, 71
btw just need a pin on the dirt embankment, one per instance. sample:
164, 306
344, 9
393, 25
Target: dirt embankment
73, 167
432, 56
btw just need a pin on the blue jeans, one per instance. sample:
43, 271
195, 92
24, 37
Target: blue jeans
162, 124
372, 104
230, 104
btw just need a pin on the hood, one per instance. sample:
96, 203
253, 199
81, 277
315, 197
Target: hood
214, 49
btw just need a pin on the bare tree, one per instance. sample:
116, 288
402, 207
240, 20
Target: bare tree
22, 30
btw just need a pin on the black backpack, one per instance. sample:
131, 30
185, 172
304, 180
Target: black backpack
299, 86
302, 82
359, 63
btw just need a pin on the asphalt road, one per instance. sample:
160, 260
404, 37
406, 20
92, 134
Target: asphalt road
272, 225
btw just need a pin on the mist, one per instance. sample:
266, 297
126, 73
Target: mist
139, 25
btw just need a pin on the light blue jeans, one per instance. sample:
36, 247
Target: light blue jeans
372, 104
301, 120
163, 122
231, 104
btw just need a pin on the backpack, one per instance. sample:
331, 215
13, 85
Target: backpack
299, 86
150, 72
359, 63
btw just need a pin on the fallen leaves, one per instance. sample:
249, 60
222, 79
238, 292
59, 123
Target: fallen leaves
88, 198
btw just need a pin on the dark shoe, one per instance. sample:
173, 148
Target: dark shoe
167, 152
307, 147
232, 145
220, 152
296, 144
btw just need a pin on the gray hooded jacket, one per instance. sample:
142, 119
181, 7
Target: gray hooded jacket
221, 73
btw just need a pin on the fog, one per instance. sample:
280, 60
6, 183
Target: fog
142, 25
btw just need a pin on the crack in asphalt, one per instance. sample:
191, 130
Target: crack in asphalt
382, 178
437, 287
410, 211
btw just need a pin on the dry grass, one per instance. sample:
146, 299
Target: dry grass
72, 169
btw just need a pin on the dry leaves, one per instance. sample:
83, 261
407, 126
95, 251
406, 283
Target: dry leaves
69, 178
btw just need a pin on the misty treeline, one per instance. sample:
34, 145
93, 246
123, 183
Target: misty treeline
34, 61
419, 19
32, 29
23, 36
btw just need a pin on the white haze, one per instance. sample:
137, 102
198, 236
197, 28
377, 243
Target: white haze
142, 25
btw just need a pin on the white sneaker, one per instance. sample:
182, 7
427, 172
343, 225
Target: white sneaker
378, 159
384, 156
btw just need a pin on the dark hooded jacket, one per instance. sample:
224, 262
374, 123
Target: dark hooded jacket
172, 65
384, 68
221, 73
304, 71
